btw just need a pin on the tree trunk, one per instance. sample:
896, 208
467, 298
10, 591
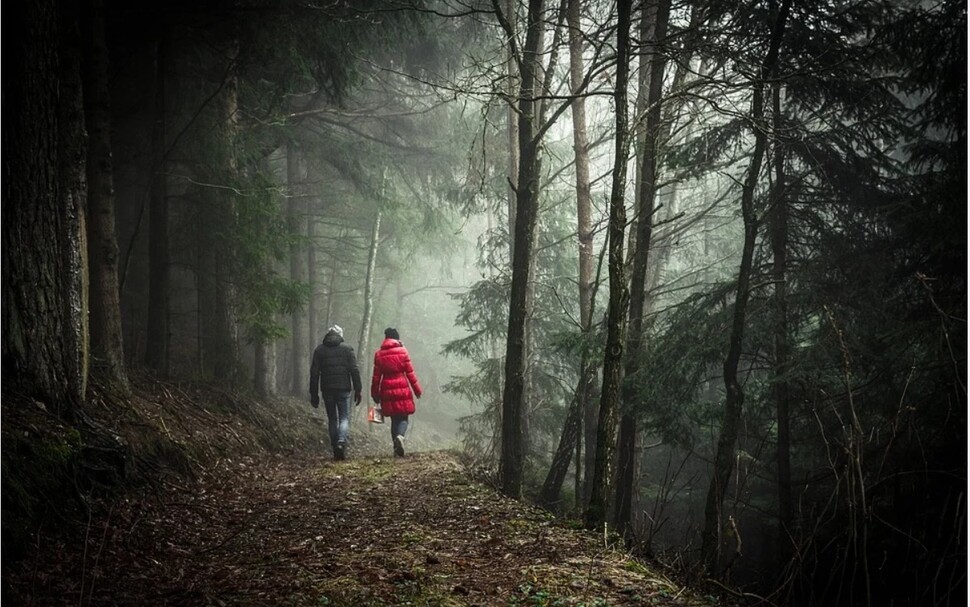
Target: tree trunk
653, 30
264, 368
43, 330
572, 428
107, 349
157, 333
311, 274
512, 120
375, 239
527, 206
218, 327
778, 233
724, 457
619, 294
295, 210
330, 291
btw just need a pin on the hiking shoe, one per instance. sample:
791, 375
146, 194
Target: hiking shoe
399, 446
340, 451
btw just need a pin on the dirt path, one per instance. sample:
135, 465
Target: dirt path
367, 531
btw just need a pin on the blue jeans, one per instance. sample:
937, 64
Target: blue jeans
399, 425
337, 404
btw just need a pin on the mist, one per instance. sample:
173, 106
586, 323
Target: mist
690, 274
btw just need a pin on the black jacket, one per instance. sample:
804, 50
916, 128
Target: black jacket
334, 367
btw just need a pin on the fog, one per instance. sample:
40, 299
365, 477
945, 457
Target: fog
780, 273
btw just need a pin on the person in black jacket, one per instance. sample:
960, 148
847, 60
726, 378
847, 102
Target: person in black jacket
334, 372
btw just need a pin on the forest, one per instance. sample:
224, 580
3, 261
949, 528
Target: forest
690, 275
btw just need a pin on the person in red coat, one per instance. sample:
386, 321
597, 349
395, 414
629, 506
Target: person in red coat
392, 386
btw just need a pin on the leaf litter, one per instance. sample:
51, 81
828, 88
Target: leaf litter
289, 530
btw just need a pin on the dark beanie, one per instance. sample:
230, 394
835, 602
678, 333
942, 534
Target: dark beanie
391, 333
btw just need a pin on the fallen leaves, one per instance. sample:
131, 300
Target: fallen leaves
303, 531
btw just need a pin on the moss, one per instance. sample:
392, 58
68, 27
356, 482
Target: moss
636, 567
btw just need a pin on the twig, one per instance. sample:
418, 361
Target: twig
97, 557
84, 559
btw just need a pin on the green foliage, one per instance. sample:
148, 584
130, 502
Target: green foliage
261, 241
678, 373
872, 139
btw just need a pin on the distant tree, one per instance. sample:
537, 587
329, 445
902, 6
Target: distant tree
217, 223
296, 217
157, 317
107, 345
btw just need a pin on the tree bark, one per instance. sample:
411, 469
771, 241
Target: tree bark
778, 233
43, 147
375, 240
527, 205
653, 30
311, 274
572, 428
295, 210
512, 120
218, 327
107, 346
724, 457
264, 368
619, 293
157, 333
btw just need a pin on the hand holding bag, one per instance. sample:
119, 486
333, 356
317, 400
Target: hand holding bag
375, 415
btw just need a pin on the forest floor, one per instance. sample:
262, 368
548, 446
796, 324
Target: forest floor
284, 524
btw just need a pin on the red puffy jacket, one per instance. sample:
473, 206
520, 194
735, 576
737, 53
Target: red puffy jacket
394, 379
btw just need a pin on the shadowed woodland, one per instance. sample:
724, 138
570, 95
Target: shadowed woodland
684, 282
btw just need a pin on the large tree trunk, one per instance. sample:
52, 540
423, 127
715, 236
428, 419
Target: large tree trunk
653, 30
157, 333
295, 211
724, 457
619, 294
43, 331
527, 206
107, 349
572, 428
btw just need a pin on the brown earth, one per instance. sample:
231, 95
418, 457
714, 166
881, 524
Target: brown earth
290, 526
